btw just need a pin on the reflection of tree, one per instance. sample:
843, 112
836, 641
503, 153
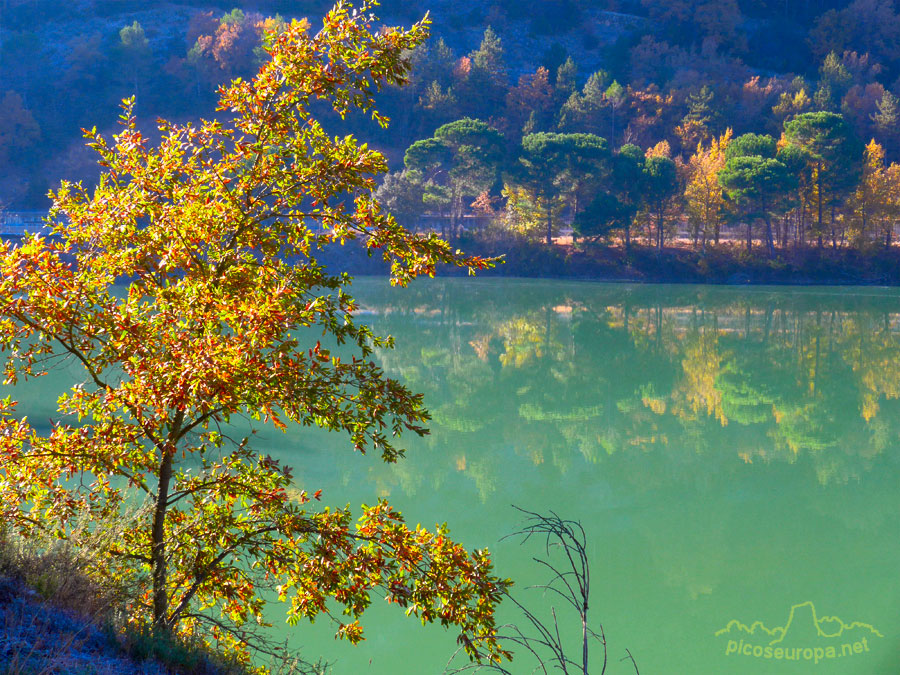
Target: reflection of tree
661, 386
743, 401
872, 351
702, 363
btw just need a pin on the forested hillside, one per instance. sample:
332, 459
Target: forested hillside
626, 120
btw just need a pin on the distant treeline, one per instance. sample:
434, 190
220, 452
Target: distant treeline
682, 84
814, 185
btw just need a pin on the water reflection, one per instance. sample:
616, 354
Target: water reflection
732, 453
696, 375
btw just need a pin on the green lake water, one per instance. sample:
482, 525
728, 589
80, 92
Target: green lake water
732, 453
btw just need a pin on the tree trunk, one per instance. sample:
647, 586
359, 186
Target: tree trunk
833, 233
819, 195
455, 216
770, 241
659, 230
549, 226
574, 216
158, 541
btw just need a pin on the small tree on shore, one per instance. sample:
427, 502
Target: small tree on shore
179, 286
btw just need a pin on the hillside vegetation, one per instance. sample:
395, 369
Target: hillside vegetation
665, 92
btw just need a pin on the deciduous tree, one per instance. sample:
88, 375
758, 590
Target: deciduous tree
18, 128
705, 202
873, 206
180, 285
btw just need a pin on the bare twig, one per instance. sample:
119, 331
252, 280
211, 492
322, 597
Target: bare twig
570, 580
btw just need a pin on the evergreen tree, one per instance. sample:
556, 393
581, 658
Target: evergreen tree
887, 120
833, 157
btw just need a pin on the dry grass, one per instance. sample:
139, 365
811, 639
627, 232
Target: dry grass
54, 618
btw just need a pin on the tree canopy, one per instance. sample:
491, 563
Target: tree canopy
755, 177
179, 285
834, 155
462, 159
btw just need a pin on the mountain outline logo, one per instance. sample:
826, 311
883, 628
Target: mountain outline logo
805, 636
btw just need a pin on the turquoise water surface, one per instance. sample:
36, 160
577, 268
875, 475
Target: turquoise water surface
732, 453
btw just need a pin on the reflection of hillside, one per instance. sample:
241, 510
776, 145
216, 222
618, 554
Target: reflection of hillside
564, 375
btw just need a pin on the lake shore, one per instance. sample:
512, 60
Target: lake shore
728, 264
722, 265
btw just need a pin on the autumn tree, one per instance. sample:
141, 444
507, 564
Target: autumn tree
860, 108
705, 203
522, 214
180, 285
791, 103
892, 214
871, 26
85, 63
873, 205
18, 128
231, 46
529, 105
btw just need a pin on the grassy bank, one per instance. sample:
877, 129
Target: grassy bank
55, 619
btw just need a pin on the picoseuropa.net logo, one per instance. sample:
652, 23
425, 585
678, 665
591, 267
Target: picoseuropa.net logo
804, 637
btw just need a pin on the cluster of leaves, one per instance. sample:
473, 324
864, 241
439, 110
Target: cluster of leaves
179, 285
